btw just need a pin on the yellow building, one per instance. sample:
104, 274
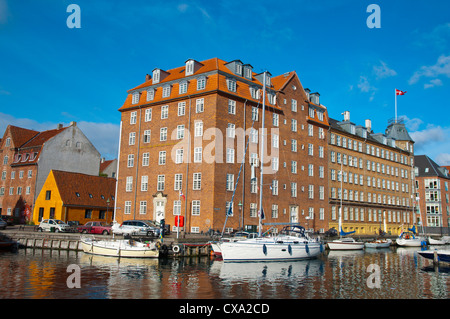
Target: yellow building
75, 197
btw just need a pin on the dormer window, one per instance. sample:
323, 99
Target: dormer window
156, 75
201, 83
189, 67
135, 98
166, 91
239, 69
248, 71
231, 84
183, 87
150, 94
254, 92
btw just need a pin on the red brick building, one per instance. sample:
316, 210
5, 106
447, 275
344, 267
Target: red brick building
182, 145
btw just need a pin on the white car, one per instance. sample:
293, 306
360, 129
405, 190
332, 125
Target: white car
55, 225
136, 227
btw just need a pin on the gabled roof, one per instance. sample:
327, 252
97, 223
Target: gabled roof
42, 137
428, 168
84, 190
19, 135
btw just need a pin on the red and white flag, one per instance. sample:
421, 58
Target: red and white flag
398, 92
182, 195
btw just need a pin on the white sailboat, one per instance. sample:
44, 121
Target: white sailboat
119, 248
291, 244
408, 239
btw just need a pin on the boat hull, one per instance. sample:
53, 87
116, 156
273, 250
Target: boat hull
261, 250
432, 241
442, 255
337, 245
414, 242
381, 244
119, 250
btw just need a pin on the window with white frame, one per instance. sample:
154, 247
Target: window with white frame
197, 181
147, 136
145, 159
294, 167
177, 207
162, 158
254, 135
293, 189
294, 125
230, 182
198, 130
294, 105
275, 164
150, 94
274, 187
179, 156
180, 132
127, 210
161, 183
132, 138
164, 112
311, 191
199, 105
181, 108
129, 184
197, 155
201, 83
255, 112
183, 87
130, 161
253, 211
275, 140
163, 134
276, 120
148, 115
230, 155
294, 145
231, 130
231, 107
231, 84
143, 207
144, 183
133, 117
196, 207
166, 91
274, 211
135, 99
178, 183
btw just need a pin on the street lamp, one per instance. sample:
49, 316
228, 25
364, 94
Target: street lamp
240, 212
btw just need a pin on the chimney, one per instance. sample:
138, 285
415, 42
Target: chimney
346, 116
147, 77
369, 125
73, 123
102, 160
59, 126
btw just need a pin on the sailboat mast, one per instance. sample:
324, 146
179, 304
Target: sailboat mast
262, 157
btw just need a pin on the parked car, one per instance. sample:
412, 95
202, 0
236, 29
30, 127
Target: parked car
55, 225
8, 219
95, 228
3, 224
136, 227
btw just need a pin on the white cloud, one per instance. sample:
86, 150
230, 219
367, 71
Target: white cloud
383, 71
434, 142
443, 159
433, 83
412, 124
366, 87
441, 67
104, 136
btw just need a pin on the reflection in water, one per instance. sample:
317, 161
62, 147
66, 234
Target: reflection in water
337, 274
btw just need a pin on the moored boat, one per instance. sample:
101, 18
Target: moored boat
441, 255
345, 244
378, 243
291, 244
433, 241
216, 245
119, 248
407, 239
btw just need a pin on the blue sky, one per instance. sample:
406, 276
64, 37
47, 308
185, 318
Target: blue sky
51, 74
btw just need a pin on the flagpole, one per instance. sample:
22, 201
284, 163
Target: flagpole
262, 157
178, 227
395, 93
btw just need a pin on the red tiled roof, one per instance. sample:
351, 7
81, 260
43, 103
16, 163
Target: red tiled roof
70, 184
215, 82
42, 137
19, 135
105, 164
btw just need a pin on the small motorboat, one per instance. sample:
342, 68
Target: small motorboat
440, 255
378, 243
348, 243
119, 248
433, 241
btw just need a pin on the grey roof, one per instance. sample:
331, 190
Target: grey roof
428, 167
398, 132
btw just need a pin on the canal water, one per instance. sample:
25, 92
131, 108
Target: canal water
394, 273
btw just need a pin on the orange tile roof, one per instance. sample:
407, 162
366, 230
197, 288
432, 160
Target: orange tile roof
105, 164
69, 184
215, 82
19, 135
